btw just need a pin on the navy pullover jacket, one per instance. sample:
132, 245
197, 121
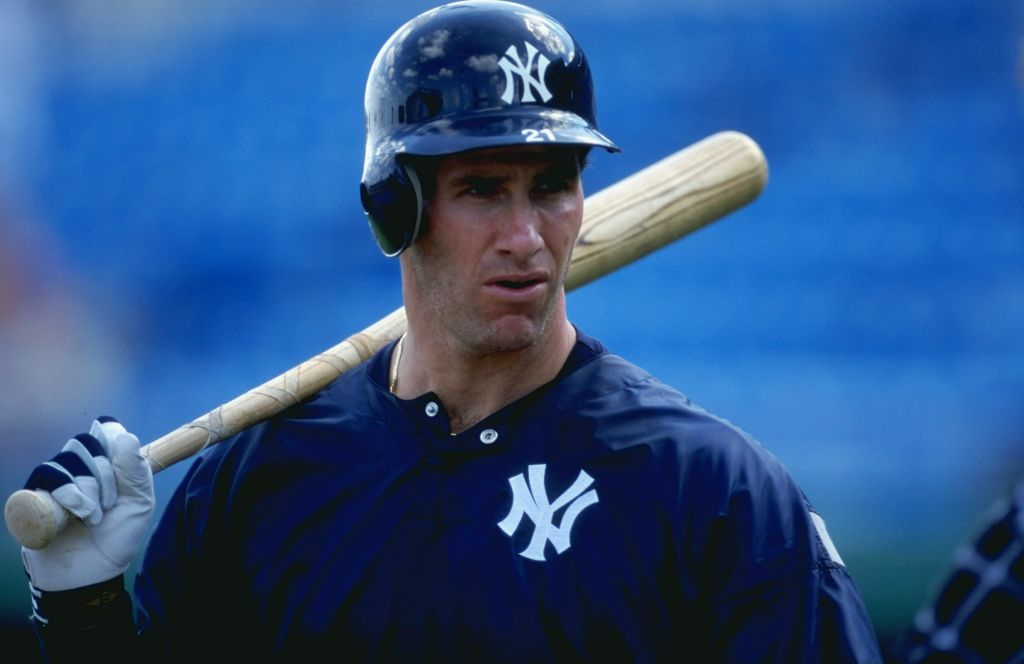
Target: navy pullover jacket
602, 517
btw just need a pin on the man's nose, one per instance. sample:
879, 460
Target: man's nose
519, 233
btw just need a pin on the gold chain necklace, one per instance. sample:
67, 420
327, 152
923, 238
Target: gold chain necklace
393, 383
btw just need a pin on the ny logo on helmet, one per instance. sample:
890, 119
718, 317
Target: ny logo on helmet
511, 64
531, 500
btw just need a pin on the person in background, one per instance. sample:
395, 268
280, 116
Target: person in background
976, 613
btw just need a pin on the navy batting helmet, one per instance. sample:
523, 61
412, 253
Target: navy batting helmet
467, 75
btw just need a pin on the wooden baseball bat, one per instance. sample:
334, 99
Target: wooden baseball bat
621, 223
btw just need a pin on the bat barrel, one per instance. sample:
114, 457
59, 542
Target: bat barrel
665, 201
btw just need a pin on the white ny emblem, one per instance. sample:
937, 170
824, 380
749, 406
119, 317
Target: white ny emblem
511, 64
532, 501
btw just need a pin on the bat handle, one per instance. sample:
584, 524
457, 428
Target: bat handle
34, 518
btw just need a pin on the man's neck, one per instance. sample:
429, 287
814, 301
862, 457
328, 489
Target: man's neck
474, 385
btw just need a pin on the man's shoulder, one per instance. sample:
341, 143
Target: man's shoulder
630, 407
606, 385
593, 372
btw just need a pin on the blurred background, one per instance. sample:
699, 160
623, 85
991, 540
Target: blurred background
179, 222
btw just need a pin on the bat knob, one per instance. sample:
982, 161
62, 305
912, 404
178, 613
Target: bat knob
34, 518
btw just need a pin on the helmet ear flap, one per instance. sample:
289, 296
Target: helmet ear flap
394, 208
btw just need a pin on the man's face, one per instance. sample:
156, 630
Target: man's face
487, 272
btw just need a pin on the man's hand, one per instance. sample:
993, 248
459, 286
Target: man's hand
102, 478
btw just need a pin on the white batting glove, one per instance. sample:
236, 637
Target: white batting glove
103, 479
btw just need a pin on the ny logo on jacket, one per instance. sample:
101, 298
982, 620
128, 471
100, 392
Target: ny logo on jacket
532, 500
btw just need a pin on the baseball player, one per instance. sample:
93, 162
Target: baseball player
494, 486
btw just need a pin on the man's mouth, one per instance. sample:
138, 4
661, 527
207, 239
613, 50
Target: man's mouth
518, 287
517, 284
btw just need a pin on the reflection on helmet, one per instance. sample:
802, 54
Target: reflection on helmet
467, 75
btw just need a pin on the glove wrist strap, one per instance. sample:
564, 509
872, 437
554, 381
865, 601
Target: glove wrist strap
82, 608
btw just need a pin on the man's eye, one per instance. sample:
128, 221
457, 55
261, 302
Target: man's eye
553, 185
483, 188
